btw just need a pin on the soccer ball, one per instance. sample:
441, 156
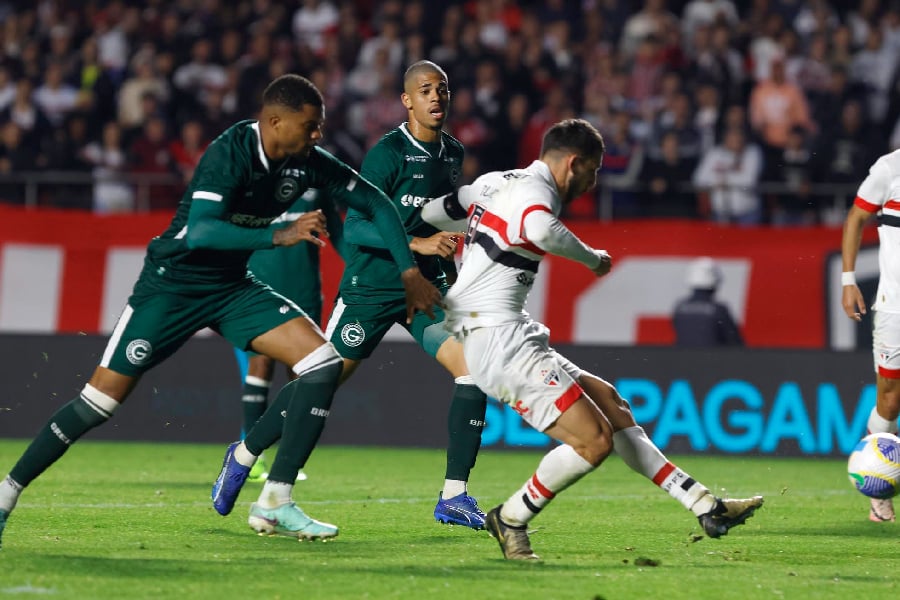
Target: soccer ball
874, 465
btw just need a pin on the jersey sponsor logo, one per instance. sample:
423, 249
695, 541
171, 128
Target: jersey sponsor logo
415, 159
138, 351
352, 334
250, 220
286, 189
415, 201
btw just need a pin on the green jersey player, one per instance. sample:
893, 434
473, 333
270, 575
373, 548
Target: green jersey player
413, 164
195, 276
293, 272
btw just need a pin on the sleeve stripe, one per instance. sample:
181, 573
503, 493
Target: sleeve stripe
207, 196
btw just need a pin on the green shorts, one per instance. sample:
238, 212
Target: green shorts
162, 315
357, 329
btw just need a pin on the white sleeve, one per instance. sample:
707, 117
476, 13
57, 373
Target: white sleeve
448, 213
549, 234
875, 188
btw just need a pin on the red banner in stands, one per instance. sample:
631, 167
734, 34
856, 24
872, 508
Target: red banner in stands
63, 271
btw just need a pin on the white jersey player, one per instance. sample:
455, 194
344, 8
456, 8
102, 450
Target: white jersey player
512, 222
879, 194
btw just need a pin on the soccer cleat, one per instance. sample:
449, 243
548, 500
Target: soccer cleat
881, 511
459, 510
513, 540
288, 520
3, 516
259, 471
229, 482
727, 514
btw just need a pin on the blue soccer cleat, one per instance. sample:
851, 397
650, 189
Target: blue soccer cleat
459, 510
3, 516
288, 520
229, 482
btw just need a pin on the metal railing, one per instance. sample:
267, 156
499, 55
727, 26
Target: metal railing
831, 198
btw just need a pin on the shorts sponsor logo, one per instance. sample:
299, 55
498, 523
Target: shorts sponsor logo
138, 351
352, 334
520, 408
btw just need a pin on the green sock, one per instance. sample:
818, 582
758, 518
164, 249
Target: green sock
69, 423
269, 426
254, 399
464, 425
310, 400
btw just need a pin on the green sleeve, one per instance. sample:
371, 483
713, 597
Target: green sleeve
335, 226
340, 181
381, 166
362, 232
212, 190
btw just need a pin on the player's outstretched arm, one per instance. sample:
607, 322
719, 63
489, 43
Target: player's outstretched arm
548, 233
851, 297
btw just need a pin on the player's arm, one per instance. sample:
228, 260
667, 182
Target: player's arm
362, 232
544, 230
335, 227
209, 226
870, 197
449, 212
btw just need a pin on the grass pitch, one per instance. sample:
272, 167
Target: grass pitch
133, 520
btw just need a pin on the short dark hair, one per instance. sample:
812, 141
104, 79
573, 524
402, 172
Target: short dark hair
423, 66
576, 136
292, 92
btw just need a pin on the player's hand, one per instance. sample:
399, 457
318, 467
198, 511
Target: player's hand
309, 227
853, 303
605, 263
420, 294
442, 244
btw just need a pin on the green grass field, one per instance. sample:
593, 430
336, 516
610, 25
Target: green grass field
129, 520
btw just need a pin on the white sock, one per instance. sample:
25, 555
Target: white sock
274, 494
560, 468
878, 424
243, 456
642, 456
9, 494
453, 488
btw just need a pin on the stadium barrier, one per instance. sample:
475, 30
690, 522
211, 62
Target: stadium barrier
728, 401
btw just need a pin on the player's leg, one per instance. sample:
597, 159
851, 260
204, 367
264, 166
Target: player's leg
465, 423
638, 451
257, 379
883, 418
143, 337
513, 363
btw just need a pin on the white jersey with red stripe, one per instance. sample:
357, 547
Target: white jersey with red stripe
499, 262
880, 193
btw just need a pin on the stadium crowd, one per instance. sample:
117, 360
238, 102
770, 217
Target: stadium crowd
768, 111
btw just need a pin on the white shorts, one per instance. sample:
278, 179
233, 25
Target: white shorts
514, 363
886, 343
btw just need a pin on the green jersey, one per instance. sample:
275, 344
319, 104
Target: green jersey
293, 271
412, 173
235, 196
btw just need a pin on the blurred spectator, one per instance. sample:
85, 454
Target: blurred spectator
861, 19
678, 118
811, 71
94, 82
814, 16
707, 115
30, 119
707, 13
845, 150
764, 48
384, 110
730, 173
504, 147
555, 108
198, 77
7, 88
622, 164
651, 20
56, 98
311, 21
776, 107
112, 42
700, 320
387, 41
144, 81
187, 149
466, 124
873, 67
793, 203
667, 181
16, 155
64, 153
149, 155
112, 193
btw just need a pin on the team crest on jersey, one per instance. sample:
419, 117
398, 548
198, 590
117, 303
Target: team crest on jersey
352, 334
286, 189
454, 174
551, 377
138, 351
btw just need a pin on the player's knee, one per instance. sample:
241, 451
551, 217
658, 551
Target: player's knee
597, 448
322, 363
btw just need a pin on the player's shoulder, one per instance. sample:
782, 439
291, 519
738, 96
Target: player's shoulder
889, 162
393, 141
453, 145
